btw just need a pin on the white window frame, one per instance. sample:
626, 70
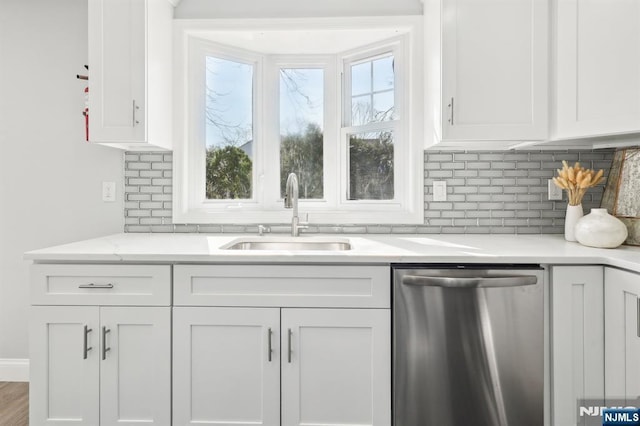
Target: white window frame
398, 126
189, 203
197, 66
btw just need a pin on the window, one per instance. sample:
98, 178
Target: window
371, 120
229, 129
331, 105
302, 129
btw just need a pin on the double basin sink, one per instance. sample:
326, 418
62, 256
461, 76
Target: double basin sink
289, 244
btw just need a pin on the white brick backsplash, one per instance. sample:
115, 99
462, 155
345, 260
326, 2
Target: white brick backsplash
138, 197
151, 205
151, 157
161, 197
487, 193
151, 173
138, 166
139, 181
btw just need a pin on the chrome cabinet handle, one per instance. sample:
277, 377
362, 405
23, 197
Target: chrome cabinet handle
289, 333
93, 285
470, 282
105, 349
269, 349
134, 109
451, 112
85, 347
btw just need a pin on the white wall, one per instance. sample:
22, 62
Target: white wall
50, 179
194, 9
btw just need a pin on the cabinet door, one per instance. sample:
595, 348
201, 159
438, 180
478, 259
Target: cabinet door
135, 366
622, 334
598, 67
226, 367
117, 58
578, 339
494, 70
64, 374
336, 367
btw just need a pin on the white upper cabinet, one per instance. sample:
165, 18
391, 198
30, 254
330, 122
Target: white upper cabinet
487, 70
130, 66
597, 68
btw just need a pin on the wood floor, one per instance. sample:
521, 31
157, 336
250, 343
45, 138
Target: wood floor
14, 404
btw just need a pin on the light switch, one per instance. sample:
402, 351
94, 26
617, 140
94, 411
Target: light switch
109, 192
555, 192
439, 190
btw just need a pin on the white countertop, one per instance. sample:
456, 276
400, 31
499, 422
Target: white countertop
411, 248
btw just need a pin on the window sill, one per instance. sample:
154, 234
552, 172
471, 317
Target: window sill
239, 216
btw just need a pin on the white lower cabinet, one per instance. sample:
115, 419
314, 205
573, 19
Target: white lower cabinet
64, 372
226, 369
100, 365
577, 339
107, 348
622, 334
249, 366
595, 338
336, 367
135, 372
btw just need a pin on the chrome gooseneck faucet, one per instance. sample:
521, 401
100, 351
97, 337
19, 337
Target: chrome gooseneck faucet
291, 202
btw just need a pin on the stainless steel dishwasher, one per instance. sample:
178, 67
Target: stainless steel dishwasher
468, 345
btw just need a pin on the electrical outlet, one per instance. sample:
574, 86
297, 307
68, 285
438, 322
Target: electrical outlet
109, 192
554, 192
439, 190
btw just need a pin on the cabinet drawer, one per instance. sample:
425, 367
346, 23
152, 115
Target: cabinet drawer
282, 285
101, 285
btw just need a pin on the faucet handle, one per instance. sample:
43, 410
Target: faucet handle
262, 229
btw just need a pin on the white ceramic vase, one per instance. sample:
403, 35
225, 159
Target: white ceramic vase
600, 229
573, 214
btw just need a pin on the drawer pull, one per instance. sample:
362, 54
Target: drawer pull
105, 349
92, 285
85, 347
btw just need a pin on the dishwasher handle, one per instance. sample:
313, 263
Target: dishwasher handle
470, 282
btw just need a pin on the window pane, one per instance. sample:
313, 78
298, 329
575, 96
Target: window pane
301, 129
229, 129
371, 166
383, 106
372, 91
383, 77
361, 79
361, 110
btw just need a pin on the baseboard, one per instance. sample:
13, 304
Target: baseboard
14, 370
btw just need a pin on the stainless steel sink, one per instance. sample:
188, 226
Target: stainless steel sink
291, 244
